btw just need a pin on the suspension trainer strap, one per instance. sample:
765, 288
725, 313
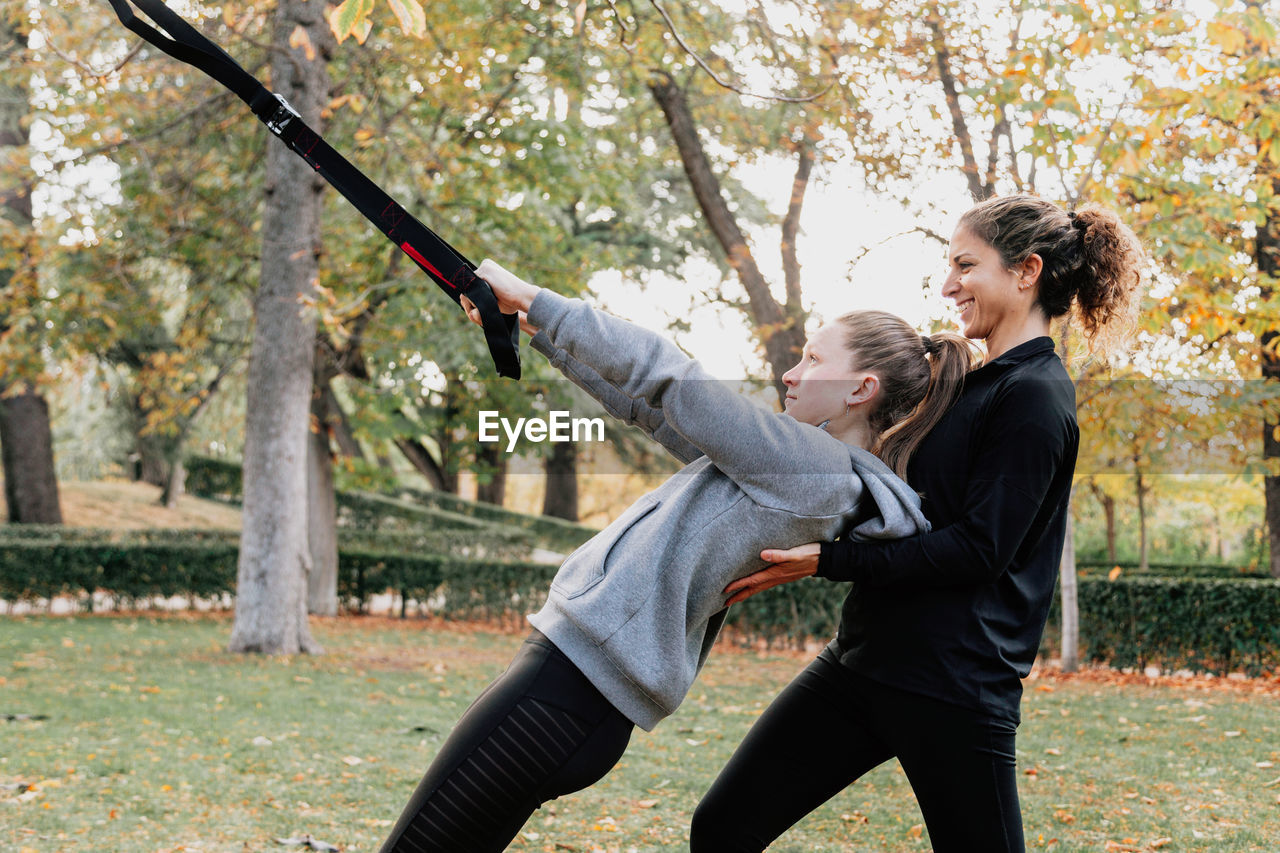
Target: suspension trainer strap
449, 269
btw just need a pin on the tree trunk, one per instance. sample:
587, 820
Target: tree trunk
561, 497
781, 330
322, 519
175, 486
1070, 601
1142, 489
30, 486
26, 437
340, 425
1271, 432
1267, 258
1109, 514
495, 490
322, 502
1109, 511
422, 461
275, 555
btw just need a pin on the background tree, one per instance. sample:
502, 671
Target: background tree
275, 554
26, 439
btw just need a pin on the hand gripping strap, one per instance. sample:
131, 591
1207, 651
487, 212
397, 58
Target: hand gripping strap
452, 272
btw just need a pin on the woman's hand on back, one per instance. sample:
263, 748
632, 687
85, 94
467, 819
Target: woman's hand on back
785, 566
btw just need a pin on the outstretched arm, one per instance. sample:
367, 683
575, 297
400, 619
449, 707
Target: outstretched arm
632, 411
774, 458
517, 295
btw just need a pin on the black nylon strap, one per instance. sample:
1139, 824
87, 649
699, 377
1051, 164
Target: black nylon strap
448, 268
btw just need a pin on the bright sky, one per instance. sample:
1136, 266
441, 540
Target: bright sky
900, 273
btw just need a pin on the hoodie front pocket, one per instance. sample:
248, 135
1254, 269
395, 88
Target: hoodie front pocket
587, 566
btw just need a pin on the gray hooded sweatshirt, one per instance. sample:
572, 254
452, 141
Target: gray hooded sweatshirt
638, 607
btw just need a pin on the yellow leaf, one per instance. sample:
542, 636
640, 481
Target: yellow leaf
1225, 36
299, 39
413, 21
362, 29
1081, 45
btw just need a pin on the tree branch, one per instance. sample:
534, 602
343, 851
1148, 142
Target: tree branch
791, 226
951, 90
720, 81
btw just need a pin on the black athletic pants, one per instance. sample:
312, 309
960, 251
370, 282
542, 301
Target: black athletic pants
830, 726
539, 731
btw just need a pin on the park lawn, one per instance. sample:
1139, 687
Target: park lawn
157, 740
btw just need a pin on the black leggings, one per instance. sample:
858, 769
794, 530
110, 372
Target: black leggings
539, 731
830, 726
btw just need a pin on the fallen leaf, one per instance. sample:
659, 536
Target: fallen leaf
646, 804
916, 831
308, 842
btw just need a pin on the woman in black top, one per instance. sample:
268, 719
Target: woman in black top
939, 629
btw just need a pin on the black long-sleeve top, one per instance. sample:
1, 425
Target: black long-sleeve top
957, 613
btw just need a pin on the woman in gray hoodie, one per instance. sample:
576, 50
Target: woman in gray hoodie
632, 614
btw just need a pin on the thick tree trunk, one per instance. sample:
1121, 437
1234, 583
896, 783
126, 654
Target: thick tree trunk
781, 329
275, 555
495, 490
159, 458
175, 485
561, 497
1070, 601
26, 437
30, 487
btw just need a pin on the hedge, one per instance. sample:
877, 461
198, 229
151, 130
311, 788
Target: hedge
1201, 624
449, 586
1178, 570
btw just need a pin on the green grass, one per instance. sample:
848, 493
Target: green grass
156, 739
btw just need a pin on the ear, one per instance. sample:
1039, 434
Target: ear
1029, 271
865, 392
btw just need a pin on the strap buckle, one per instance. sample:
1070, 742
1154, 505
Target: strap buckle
284, 113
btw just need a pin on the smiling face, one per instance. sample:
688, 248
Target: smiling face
984, 290
820, 386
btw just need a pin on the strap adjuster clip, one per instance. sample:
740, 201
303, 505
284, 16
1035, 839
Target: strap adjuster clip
283, 114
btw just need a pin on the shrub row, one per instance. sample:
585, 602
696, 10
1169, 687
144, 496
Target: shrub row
449, 586
1177, 570
1199, 624
1208, 625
